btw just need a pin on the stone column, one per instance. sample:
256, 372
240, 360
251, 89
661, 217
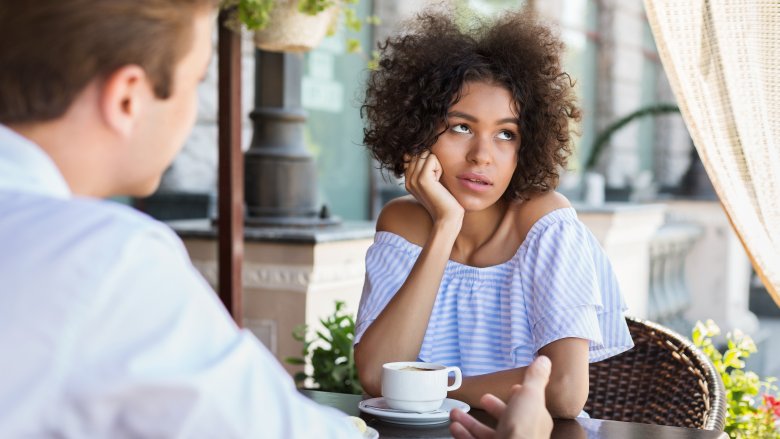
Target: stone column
280, 176
717, 268
290, 276
625, 232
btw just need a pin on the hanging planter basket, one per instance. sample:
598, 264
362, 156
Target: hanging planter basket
290, 30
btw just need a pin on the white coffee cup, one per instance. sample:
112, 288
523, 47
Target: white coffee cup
417, 386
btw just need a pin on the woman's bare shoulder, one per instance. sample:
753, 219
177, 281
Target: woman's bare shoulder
532, 210
407, 218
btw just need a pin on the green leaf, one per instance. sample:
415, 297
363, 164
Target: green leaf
254, 14
697, 335
295, 360
353, 45
330, 353
299, 332
731, 358
300, 377
323, 337
314, 7
745, 415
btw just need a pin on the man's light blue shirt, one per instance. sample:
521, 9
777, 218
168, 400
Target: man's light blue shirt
107, 330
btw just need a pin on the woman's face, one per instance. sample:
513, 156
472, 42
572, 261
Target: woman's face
478, 151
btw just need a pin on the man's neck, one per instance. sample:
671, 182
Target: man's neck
72, 149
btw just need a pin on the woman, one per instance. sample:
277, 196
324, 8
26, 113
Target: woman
484, 266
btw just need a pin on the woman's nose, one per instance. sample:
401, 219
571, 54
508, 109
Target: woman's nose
480, 150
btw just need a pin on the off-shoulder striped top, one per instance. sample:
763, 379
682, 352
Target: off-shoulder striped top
558, 284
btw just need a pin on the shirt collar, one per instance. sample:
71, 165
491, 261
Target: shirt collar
25, 167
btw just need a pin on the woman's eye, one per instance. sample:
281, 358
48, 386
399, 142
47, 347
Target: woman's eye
460, 128
506, 135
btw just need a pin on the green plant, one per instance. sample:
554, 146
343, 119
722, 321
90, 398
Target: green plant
256, 14
603, 138
330, 354
752, 411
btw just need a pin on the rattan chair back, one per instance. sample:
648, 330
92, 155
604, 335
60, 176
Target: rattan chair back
664, 379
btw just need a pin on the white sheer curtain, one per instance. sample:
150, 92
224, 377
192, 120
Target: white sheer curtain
722, 58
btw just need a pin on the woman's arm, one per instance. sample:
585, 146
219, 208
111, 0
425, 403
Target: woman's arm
398, 331
566, 393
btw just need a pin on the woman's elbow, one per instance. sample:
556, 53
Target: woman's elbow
566, 403
370, 378
565, 409
371, 384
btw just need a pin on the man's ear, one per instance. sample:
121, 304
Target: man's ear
123, 97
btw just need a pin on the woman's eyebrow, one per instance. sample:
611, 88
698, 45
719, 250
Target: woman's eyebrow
471, 118
462, 116
513, 120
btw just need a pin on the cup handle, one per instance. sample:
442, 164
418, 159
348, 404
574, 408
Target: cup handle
458, 377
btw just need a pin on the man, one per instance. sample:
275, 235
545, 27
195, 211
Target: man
523, 417
106, 329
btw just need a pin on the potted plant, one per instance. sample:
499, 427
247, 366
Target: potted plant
330, 354
295, 25
753, 409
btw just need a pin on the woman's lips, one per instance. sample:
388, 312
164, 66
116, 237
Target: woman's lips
475, 182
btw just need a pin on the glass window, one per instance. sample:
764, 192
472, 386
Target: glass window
651, 70
578, 24
333, 81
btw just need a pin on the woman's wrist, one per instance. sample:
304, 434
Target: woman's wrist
449, 225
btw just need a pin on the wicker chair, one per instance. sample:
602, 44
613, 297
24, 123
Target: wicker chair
663, 380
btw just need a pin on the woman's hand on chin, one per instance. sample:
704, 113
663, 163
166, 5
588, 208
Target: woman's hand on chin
423, 174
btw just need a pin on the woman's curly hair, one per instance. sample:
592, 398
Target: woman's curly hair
420, 75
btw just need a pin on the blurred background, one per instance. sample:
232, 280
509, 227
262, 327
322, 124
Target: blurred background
635, 180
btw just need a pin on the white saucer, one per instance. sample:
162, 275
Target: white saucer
370, 433
378, 407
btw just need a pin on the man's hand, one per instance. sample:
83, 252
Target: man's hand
524, 417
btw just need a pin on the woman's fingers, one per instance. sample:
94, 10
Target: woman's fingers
409, 167
420, 162
431, 167
414, 170
423, 169
423, 174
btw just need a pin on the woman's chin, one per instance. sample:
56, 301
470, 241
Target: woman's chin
477, 204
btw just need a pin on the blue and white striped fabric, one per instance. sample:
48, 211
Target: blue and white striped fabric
559, 284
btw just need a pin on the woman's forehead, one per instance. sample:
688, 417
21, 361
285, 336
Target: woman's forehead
486, 97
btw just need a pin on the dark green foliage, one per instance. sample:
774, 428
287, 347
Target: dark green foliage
330, 354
